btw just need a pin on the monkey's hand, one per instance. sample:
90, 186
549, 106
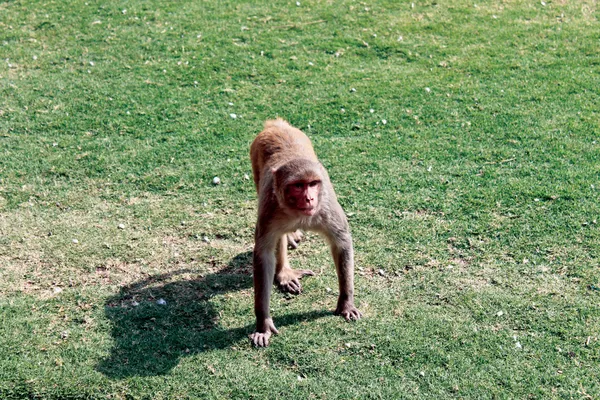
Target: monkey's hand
348, 311
260, 338
294, 238
288, 280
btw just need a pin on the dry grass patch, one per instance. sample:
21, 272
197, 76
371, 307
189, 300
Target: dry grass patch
110, 244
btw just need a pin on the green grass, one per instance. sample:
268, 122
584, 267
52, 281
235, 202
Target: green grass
478, 198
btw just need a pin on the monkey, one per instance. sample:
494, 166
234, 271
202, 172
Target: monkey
294, 193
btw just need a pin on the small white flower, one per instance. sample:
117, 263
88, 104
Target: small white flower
121, 226
400, 38
371, 111
75, 241
298, 3
124, 12
161, 302
428, 90
216, 180
34, 58
384, 121
233, 116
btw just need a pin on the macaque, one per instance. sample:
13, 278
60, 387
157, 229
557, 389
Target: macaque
294, 193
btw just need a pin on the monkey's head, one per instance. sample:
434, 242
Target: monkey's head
298, 185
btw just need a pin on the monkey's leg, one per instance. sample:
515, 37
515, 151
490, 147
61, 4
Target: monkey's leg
343, 256
287, 279
264, 269
294, 238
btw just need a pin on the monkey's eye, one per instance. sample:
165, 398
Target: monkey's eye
313, 183
299, 185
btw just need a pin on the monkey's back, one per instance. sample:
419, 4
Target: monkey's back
278, 143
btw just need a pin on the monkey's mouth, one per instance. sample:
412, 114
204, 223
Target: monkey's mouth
310, 211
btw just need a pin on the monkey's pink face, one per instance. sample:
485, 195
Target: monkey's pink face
303, 196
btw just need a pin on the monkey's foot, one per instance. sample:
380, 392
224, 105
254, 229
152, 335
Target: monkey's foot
294, 238
261, 339
288, 280
348, 311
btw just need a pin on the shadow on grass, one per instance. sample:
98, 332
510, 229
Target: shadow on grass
149, 339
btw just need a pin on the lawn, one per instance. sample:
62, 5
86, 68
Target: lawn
463, 140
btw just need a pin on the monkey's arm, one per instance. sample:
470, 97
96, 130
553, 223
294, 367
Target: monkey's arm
343, 256
264, 271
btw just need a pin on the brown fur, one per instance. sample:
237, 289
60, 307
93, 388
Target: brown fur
282, 155
276, 144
